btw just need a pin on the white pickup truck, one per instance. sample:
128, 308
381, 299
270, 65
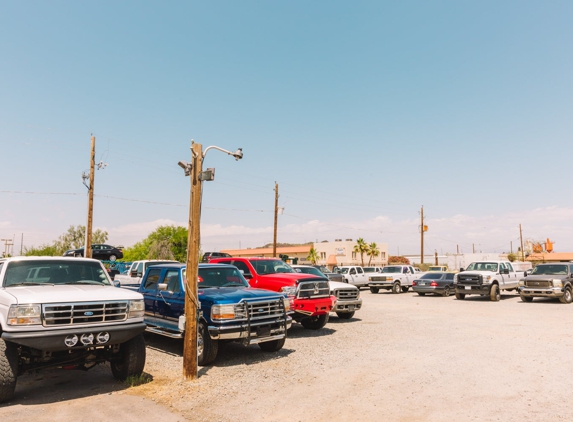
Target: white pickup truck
354, 275
135, 272
397, 278
486, 278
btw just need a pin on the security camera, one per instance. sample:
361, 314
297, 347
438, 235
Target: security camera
238, 154
185, 166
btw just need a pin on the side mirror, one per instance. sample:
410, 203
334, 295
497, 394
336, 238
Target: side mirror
162, 286
505, 271
461, 270
248, 276
525, 273
133, 274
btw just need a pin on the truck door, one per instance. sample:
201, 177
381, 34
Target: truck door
170, 303
149, 291
513, 277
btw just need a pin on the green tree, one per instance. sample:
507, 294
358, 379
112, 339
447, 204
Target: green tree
372, 252
166, 242
75, 238
44, 250
361, 247
313, 256
511, 257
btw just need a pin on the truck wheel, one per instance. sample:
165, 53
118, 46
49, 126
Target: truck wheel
112, 257
460, 296
8, 370
315, 323
494, 294
345, 315
405, 289
422, 293
272, 346
566, 298
374, 289
526, 298
447, 291
207, 348
131, 359
396, 288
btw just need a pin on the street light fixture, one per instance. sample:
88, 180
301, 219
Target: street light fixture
192, 305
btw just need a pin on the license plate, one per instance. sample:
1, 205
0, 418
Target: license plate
421, 283
351, 308
263, 331
468, 287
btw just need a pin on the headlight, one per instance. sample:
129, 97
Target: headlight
358, 297
136, 309
286, 304
557, 282
219, 312
521, 282
289, 290
488, 278
25, 315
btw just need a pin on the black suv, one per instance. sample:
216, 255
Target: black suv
99, 251
208, 255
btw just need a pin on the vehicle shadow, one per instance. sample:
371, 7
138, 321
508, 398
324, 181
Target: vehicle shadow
59, 385
485, 298
164, 344
298, 331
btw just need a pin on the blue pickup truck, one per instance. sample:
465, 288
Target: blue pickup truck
230, 309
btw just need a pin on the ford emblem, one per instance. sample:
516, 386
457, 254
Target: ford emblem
88, 313
260, 310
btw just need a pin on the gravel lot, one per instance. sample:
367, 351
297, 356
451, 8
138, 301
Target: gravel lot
402, 358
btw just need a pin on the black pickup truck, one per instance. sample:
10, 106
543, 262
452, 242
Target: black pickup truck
230, 309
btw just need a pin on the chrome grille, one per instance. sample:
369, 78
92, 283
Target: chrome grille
538, 283
346, 294
378, 278
313, 289
258, 310
84, 313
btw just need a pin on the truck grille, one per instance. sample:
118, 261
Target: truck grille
378, 278
313, 289
470, 278
84, 313
346, 294
258, 310
538, 283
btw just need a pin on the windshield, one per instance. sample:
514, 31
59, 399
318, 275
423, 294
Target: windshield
550, 269
482, 266
309, 270
322, 269
50, 272
271, 266
392, 269
221, 277
369, 270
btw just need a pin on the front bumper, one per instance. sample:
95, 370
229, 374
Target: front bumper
473, 289
381, 284
347, 305
54, 340
313, 307
539, 292
253, 333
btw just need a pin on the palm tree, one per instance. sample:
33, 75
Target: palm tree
361, 247
313, 256
372, 251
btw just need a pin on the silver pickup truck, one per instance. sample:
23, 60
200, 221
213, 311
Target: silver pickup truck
486, 278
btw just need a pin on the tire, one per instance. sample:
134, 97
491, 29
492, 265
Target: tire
272, 346
207, 348
422, 293
8, 370
494, 294
460, 296
567, 297
526, 298
374, 289
315, 323
396, 288
112, 257
405, 289
345, 315
131, 360
447, 291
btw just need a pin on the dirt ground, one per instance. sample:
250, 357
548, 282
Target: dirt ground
401, 358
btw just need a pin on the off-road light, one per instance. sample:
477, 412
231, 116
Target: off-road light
102, 338
87, 339
71, 340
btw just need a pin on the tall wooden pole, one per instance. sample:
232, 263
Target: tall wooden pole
521, 240
422, 236
88, 245
192, 304
276, 219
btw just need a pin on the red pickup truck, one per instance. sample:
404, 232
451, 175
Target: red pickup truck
309, 294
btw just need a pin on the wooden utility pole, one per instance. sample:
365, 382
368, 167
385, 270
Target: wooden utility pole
88, 245
422, 236
521, 240
192, 304
276, 219
435, 257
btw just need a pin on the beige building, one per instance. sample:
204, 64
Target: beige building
337, 253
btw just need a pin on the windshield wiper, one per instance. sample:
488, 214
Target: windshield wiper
86, 282
31, 283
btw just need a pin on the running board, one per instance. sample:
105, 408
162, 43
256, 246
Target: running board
164, 332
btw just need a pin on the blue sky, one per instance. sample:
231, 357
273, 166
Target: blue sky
362, 112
